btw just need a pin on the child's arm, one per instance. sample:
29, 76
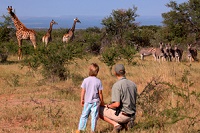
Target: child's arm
82, 96
101, 97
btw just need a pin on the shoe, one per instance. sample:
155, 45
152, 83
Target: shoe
124, 126
78, 131
127, 126
130, 124
117, 129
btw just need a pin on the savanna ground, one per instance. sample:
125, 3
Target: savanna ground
30, 104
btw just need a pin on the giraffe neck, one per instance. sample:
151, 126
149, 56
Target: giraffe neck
18, 24
73, 27
50, 28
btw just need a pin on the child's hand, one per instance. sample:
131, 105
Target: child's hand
82, 103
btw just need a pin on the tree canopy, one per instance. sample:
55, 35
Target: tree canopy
119, 22
182, 21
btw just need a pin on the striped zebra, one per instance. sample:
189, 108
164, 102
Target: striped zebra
192, 53
146, 52
178, 53
160, 53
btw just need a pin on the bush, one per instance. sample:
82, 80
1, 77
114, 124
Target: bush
127, 52
53, 59
165, 104
109, 57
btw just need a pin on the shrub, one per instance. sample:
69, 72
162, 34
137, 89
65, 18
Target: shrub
53, 59
109, 57
127, 52
164, 104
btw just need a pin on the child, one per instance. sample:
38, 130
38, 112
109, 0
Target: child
91, 98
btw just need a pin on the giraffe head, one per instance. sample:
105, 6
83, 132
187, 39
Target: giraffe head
77, 20
9, 9
53, 22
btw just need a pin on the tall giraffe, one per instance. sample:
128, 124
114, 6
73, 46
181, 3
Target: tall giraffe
22, 33
70, 34
47, 37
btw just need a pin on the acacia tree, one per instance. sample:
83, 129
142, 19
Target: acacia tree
6, 28
194, 15
182, 20
119, 22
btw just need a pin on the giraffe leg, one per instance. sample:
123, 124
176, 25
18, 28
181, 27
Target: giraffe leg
43, 39
33, 40
19, 49
20, 53
46, 41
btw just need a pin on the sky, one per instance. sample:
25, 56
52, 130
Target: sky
59, 8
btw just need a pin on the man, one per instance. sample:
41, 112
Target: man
122, 109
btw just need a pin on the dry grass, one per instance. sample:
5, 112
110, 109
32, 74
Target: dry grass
30, 104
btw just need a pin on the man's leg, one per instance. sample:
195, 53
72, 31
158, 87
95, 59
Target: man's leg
104, 112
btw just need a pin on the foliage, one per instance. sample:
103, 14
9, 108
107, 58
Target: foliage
53, 59
109, 57
119, 22
6, 29
127, 52
145, 35
165, 104
6, 33
182, 20
91, 38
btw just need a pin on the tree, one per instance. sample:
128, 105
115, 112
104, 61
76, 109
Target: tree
182, 20
5, 28
194, 15
119, 22
6, 32
145, 35
109, 57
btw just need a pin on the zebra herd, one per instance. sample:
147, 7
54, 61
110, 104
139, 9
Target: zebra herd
165, 52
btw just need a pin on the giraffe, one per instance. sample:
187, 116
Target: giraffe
47, 37
22, 33
70, 34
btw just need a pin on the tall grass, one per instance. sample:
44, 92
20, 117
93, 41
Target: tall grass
30, 104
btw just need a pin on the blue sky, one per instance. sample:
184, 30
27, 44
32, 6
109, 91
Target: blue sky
64, 11
57, 8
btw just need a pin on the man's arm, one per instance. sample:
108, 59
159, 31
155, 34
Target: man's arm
113, 105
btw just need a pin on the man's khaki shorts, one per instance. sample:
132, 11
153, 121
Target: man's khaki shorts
110, 113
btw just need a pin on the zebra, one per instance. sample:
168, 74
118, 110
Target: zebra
192, 53
178, 53
146, 52
169, 52
160, 53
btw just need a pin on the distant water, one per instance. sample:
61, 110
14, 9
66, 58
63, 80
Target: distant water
150, 20
86, 21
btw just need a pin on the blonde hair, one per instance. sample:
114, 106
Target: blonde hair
93, 69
